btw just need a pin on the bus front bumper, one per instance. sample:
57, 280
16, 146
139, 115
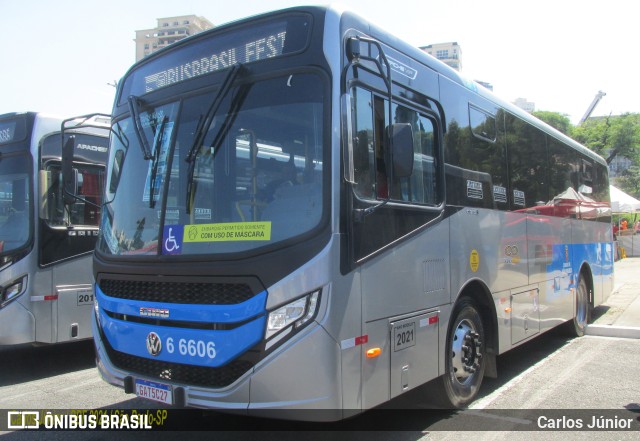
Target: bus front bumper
298, 381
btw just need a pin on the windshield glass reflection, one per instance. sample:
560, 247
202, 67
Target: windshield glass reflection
256, 178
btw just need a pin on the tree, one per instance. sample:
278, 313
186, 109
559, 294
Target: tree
629, 182
558, 121
614, 136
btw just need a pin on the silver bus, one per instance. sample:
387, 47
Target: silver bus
46, 282
304, 212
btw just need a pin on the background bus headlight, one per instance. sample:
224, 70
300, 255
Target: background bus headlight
13, 290
293, 315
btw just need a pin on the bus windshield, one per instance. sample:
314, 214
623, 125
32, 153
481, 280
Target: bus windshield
254, 179
15, 222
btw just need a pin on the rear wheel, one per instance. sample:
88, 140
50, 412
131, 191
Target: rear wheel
464, 363
583, 309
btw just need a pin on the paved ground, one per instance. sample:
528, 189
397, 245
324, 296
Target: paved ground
619, 316
569, 375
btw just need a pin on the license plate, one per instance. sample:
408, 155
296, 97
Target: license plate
162, 393
404, 336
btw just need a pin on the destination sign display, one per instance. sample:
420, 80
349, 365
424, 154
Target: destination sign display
219, 51
268, 46
12, 130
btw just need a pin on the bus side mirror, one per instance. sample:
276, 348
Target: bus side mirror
69, 177
402, 154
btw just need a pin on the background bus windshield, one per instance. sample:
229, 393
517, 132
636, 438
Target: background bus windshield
14, 202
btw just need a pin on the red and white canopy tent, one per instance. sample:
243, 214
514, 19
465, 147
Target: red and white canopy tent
622, 203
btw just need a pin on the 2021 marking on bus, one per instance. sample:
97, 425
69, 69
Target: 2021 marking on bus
404, 336
85, 297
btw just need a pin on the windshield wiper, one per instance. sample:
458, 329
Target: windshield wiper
157, 146
203, 127
204, 123
134, 108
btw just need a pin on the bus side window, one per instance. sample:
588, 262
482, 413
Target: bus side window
56, 209
528, 166
371, 120
426, 162
364, 149
91, 191
421, 186
369, 147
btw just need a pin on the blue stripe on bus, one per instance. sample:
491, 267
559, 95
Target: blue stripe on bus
599, 256
240, 312
564, 269
183, 345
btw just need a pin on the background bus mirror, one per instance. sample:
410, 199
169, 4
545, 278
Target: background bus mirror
402, 155
353, 49
69, 177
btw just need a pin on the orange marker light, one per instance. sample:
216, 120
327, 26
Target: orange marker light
374, 352
507, 310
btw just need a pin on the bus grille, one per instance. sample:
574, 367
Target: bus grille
179, 373
198, 293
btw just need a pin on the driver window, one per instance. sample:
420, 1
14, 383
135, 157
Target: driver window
90, 181
370, 152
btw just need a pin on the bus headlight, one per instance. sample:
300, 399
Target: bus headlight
13, 290
293, 315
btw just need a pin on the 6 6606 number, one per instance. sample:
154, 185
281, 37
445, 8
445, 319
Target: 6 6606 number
193, 348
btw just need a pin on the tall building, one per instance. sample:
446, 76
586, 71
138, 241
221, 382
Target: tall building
618, 166
525, 105
449, 53
169, 30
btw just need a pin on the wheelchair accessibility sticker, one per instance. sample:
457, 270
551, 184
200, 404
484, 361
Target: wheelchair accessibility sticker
172, 239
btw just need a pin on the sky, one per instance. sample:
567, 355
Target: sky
61, 56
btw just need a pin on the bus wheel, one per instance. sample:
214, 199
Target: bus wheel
582, 308
464, 363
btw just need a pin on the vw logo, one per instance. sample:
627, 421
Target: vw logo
154, 344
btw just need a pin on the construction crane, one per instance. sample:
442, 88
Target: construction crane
592, 106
